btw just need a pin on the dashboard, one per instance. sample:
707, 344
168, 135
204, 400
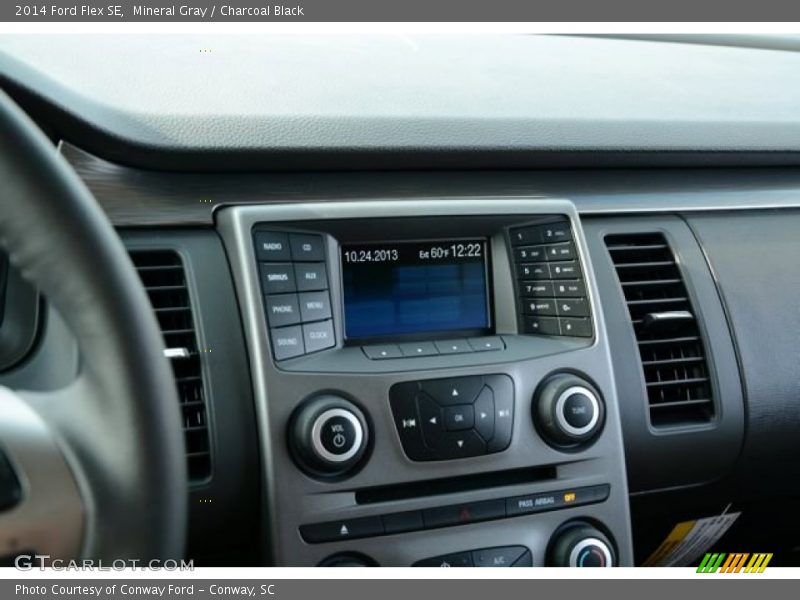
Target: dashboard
498, 354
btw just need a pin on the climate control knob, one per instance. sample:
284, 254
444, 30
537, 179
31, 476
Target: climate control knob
579, 544
568, 411
328, 436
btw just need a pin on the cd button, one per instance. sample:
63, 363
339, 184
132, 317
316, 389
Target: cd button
306, 247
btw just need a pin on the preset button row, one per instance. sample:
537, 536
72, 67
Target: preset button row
438, 347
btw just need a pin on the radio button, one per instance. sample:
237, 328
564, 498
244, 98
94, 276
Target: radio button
287, 342
315, 306
282, 310
319, 336
277, 278
457, 390
307, 247
311, 277
272, 246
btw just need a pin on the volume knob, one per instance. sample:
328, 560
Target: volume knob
328, 436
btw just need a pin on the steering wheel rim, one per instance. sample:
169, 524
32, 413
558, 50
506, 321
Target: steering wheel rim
102, 461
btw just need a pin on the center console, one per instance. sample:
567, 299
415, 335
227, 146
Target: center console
433, 384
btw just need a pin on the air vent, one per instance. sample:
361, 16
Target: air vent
670, 345
164, 278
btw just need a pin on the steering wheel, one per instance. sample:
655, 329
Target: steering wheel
101, 462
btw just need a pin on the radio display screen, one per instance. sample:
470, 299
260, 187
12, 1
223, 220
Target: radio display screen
408, 288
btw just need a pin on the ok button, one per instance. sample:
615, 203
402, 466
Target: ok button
459, 417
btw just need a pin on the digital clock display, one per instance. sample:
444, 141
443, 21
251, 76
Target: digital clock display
406, 288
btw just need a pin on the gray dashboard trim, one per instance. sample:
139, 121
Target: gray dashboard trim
136, 197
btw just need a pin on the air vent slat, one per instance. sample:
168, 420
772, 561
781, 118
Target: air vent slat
671, 350
164, 277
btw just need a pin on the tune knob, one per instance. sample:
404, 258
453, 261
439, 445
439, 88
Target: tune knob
568, 411
579, 544
328, 436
